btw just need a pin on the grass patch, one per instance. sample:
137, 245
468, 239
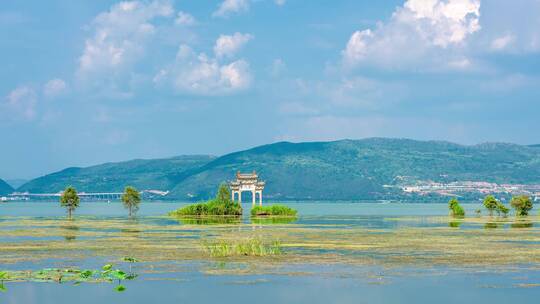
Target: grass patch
249, 247
275, 210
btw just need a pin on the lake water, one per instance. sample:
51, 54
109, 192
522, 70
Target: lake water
318, 266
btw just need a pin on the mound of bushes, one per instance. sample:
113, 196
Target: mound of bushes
274, 210
222, 205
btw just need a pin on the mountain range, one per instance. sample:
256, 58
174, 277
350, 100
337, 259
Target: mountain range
5, 188
339, 170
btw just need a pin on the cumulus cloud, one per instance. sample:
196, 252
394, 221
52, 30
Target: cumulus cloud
229, 45
230, 7
54, 87
119, 35
417, 28
202, 75
185, 19
22, 102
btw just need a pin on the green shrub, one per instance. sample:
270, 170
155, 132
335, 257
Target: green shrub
491, 204
274, 210
501, 208
522, 204
455, 209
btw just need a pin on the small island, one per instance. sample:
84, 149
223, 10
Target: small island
221, 205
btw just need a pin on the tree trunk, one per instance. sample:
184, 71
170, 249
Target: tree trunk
130, 211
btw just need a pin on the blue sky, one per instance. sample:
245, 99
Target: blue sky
86, 82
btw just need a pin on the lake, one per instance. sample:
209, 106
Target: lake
334, 252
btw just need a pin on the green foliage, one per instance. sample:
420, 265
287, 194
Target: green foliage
69, 200
222, 205
131, 200
249, 247
502, 209
62, 275
455, 208
274, 210
491, 204
522, 204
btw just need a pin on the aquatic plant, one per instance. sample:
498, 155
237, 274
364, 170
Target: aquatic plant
274, 210
70, 200
455, 209
491, 204
522, 204
131, 200
63, 275
222, 205
249, 247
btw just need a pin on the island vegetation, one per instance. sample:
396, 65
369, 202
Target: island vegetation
274, 210
522, 204
221, 205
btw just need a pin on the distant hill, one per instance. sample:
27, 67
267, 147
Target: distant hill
157, 174
346, 169
16, 183
5, 188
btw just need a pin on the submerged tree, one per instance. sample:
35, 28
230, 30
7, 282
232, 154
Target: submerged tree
131, 199
522, 204
501, 208
491, 204
455, 209
70, 200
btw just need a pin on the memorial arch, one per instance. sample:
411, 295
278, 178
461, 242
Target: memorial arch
247, 182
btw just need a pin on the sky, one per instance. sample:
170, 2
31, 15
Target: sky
87, 82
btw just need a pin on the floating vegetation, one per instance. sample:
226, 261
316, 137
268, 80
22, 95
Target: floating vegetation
249, 247
273, 220
64, 275
209, 220
274, 210
411, 241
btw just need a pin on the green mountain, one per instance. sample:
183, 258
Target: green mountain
5, 188
156, 174
346, 169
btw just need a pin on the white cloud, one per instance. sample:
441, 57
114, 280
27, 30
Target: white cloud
280, 2
502, 42
202, 75
185, 19
22, 102
230, 7
417, 28
229, 45
120, 34
54, 87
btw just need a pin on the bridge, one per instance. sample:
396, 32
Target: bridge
108, 196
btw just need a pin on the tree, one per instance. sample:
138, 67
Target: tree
491, 204
455, 209
522, 204
501, 208
70, 200
131, 199
224, 194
